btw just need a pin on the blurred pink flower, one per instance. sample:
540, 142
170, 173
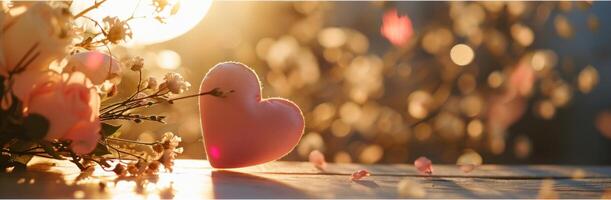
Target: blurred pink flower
521, 80
424, 165
97, 66
39, 26
318, 160
507, 108
397, 29
84, 136
358, 175
29, 80
503, 111
72, 107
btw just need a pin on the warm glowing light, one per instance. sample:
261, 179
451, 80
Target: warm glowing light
546, 190
411, 189
168, 59
340, 129
603, 123
350, 112
475, 128
423, 131
587, 79
495, 79
418, 104
371, 154
332, 37
522, 34
309, 142
461, 54
470, 157
147, 29
342, 157
522, 147
563, 27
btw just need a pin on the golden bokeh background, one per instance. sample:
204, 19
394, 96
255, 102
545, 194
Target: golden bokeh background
477, 82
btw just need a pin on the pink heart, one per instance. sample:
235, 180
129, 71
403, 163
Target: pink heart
242, 129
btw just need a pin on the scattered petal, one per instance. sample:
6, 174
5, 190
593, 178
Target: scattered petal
410, 189
358, 175
318, 160
424, 165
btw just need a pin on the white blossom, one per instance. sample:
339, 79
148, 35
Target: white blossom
176, 83
151, 83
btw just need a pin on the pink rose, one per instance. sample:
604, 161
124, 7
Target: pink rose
29, 80
97, 66
84, 136
72, 107
39, 26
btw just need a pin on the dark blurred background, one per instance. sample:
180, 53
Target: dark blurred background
491, 82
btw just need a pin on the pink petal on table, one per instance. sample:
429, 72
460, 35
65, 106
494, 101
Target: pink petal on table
318, 160
358, 175
467, 168
424, 165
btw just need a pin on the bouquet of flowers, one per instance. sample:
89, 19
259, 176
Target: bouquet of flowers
57, 83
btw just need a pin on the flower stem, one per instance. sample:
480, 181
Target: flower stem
131, 141
94, 6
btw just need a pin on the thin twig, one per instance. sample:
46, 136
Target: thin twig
94, 6
132, 141
120, 151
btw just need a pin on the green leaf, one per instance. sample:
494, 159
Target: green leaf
108, 130
101, 150
36, 126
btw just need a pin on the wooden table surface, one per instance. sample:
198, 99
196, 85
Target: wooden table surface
196, 179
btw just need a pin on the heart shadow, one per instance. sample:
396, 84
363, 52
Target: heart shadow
236, 185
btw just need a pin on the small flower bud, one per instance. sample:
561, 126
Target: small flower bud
154, 165
134, 63
132, 169
120, 170
151, 83
158, 148
176, 83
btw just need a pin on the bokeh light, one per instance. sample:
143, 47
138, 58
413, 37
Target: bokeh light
471, 82
462, 54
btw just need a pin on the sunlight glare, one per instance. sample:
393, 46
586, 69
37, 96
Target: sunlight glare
148, 30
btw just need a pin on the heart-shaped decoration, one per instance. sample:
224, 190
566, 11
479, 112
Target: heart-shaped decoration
242, 129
